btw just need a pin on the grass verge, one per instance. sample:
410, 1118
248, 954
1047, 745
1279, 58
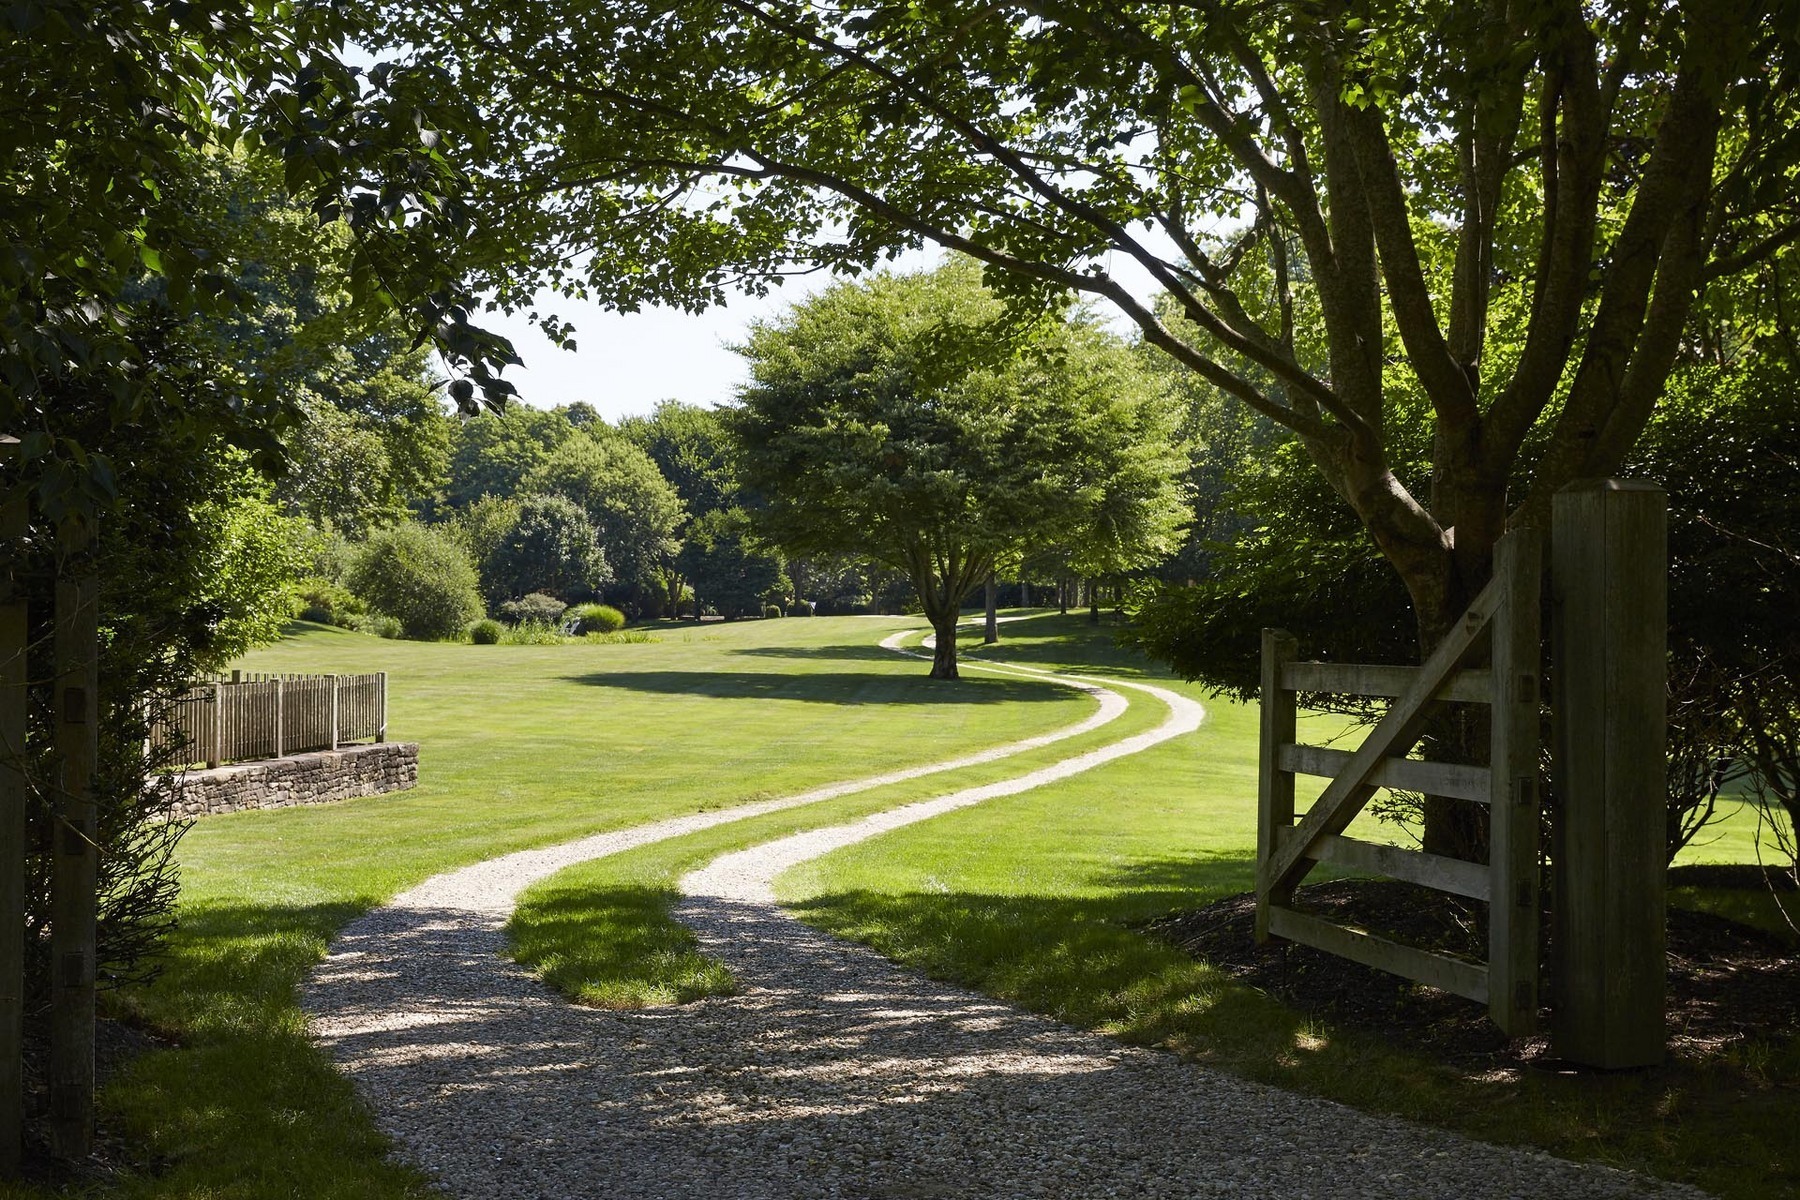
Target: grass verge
521, 746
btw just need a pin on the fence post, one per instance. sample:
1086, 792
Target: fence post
280, 715
1513, 790
334, 710
381, 706
74, 857
1609, 579
1274, 787
14, 636
218, 711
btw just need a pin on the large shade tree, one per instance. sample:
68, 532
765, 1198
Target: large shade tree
911, 420
126, 420
1502, 210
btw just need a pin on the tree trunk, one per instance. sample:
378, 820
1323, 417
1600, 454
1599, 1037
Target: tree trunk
1024, 594
991, 631
943, 657
1062, 596
1093, 599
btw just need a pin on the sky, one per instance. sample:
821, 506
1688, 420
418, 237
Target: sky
625, 363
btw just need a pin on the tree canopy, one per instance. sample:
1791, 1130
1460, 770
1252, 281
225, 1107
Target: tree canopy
1491, 218
912, 420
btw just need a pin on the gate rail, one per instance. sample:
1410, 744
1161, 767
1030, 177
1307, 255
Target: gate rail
1504, 621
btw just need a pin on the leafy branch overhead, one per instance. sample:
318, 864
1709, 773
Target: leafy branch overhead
110, 105
1503, 211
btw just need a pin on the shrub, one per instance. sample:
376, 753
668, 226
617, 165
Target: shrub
421, 577
326, 603
800, 608
378, 624
486, 632
532, 633
771, 610
544, 610
595, 618
551, 548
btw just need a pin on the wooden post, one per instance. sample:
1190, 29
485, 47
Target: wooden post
218, 723
1513, 845
334, 710
1609, 576
280, 715
1275, 787
381, 706
14, 637
75, 858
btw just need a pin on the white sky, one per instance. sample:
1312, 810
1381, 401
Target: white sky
626, 362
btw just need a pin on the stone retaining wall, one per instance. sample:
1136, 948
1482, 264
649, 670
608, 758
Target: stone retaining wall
316, 778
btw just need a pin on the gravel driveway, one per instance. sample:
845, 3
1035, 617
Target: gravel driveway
834, 1074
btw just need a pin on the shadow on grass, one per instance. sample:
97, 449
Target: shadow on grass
1052, 640
826, 687
848, 651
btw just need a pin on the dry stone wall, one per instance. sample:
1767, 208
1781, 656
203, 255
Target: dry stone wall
316, 778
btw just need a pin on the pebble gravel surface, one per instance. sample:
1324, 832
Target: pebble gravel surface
835, 1074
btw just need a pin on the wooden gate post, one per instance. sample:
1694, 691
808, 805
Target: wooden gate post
74, 878
14, 636
1513, 809
1609, 583
1274, 787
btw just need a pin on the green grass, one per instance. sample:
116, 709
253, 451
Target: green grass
1029, 897
1033, 898
521, 746
600, 932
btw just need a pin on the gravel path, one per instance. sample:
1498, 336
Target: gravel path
835, 1074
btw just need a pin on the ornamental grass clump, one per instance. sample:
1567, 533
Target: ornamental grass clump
533, 633
486, 632
594, 618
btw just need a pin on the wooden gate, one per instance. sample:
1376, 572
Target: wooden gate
1502, 627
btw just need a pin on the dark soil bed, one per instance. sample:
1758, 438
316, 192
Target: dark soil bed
1728, 982
115, 1046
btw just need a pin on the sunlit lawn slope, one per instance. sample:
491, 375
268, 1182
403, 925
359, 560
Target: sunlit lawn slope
521, 746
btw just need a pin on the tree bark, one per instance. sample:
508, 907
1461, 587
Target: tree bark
1093, 599
943, 656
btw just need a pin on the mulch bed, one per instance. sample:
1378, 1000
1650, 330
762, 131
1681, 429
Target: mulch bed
115, 1046
1728, 982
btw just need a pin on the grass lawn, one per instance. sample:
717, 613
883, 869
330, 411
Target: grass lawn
1035, 898
522, 746
1031, 897
1048, 925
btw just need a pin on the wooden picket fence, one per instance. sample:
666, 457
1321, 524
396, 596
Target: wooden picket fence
256, 716
1502, 626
